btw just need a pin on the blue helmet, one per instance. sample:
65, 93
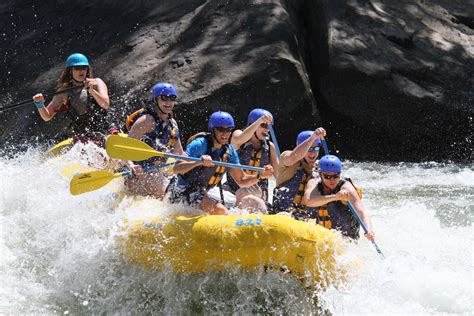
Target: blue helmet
221, 119
304, 135
255, 114
77, 59
330, 163
162, 88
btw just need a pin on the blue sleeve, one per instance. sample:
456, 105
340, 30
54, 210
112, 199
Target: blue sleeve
197, 147
234, 156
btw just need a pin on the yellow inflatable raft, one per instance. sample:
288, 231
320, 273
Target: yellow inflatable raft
215, 243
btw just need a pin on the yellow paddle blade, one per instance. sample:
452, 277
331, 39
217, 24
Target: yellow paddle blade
90, 181
126, 148
59, 148
73, 169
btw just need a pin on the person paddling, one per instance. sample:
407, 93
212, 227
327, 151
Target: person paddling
154, 124
296, 168
329, 194
197, 178
87, 108
255, 149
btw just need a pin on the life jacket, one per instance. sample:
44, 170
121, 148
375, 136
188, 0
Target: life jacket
256, 158
162, 138
289, 196
87, 117
337, 215
207, 177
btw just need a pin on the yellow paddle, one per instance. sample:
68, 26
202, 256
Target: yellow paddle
59, 148
93, 180
74, 168
133, 149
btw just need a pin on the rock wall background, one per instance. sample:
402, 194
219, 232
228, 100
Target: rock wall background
388, 80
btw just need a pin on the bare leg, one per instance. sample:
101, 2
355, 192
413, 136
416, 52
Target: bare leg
150, 184
253, 204
212, 207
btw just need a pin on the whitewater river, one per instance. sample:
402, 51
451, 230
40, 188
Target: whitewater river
58, 252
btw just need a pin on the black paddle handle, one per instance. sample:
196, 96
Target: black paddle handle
17, 105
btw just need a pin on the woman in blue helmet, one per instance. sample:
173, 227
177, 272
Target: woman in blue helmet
296, 168
87, 108
329, 195
197, 178
154, 124
254, 149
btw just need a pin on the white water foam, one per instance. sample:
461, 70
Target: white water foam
59, 253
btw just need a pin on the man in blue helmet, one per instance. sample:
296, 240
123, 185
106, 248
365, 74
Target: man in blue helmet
154, 124
254, 149
329, 194
296, 168
87, 108
197, 178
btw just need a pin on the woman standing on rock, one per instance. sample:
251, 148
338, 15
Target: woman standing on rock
87, 107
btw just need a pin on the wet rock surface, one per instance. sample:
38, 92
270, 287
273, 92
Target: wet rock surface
389, 81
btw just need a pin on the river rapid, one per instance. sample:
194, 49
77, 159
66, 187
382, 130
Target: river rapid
59, 255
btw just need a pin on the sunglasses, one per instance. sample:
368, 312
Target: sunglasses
78, 68
170, 97
264, 125
315, 148
223, 129
332, 176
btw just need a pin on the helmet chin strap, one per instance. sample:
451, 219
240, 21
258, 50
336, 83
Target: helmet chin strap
214, 137
159, 109
261, 140
75, 81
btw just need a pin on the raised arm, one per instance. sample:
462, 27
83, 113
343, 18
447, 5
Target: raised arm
98, 89
300, 151
241, 137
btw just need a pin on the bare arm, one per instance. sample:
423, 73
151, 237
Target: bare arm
244, 180
274, 160
241, 137
143, 125
360, 209
49, 111
313, 197
178, 148
300, 151
183, 166
98, 89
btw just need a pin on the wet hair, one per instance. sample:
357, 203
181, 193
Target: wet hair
65, 79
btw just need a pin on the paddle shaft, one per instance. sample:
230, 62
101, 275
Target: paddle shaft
130, 172
217, 163
365, 228
14, 106
325, 146
275, 142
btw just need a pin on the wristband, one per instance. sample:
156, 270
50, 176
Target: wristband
39, 105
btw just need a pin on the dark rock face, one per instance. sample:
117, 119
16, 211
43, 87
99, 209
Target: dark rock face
390, 81
395, 81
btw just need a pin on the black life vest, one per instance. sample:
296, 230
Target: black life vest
208, 177
337, 215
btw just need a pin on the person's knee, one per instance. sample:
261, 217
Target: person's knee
219, 209
253, 203
212, 207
